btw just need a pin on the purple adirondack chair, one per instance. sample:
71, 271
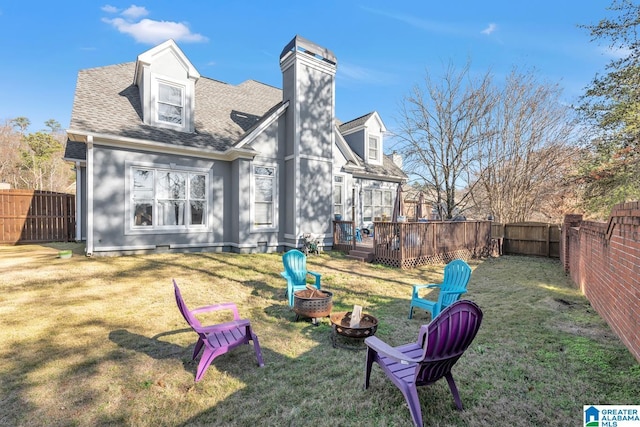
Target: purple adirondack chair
220, 338
439, 346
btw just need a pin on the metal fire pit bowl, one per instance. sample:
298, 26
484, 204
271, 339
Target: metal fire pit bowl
340, 326
312, 303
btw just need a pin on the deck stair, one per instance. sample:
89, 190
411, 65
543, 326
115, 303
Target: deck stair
361, 255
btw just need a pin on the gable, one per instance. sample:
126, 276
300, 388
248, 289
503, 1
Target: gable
365, 136
165, 79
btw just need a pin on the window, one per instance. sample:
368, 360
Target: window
377, 205
264, 196
338, 195
163, 199
170, 104
374, 149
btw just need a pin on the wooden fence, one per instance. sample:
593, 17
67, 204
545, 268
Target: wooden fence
528, 238
30, 216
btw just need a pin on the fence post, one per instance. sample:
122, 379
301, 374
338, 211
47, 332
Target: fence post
548, 241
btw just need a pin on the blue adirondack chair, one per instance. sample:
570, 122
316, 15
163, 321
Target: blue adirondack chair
456, 277
295, 272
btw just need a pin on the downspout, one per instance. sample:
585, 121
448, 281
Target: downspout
79, 196
89, 244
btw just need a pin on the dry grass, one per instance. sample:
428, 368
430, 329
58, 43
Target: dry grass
99, 341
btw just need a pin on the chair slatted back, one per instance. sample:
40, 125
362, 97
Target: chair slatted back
295, 264
456, 277
186, 313
447, 337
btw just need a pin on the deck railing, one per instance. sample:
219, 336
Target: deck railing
344, 233
412, 244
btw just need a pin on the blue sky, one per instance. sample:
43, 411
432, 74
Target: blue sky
383, 48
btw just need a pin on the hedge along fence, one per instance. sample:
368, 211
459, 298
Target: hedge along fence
603, 259
32, 216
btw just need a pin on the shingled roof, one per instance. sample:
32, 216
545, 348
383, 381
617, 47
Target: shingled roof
360, 121
107, 102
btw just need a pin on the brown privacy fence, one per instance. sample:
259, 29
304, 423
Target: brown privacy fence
603, 259
411, 244
528, 238
31, 216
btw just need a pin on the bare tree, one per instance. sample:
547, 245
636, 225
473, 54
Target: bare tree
10, 145
503, 151
438, 135
524, 157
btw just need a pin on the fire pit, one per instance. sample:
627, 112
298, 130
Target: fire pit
341, 325
312, 303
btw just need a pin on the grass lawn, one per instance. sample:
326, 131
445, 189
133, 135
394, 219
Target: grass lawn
100, 341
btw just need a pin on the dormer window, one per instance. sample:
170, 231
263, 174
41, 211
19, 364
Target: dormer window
166, 83
170, 108
374, 149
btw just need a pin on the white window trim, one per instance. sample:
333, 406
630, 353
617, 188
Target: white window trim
259, 228
378, 159
155, 91
131, 229
344, 190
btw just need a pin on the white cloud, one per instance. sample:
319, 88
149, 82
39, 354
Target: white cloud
109, 9
135, 12
423, 24
616, 52
356, 73
148, 30
490, 29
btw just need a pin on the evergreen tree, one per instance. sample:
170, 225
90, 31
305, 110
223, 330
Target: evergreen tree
610, 171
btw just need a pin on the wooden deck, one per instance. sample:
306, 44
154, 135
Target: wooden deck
411, 244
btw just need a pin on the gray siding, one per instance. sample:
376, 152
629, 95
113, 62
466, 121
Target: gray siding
110, 198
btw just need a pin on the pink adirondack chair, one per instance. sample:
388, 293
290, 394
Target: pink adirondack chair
439, 346
220, 338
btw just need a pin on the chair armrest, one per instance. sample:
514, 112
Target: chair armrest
385, 349
217, 307
416, 288
317, 276
220, 327
430, 285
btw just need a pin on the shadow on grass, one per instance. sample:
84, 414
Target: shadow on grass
152, 347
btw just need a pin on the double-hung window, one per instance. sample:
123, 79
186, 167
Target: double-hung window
374, 149
338, 195
264, 195
170, 107
167, 199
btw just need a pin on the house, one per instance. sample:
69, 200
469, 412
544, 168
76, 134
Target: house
169, 160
